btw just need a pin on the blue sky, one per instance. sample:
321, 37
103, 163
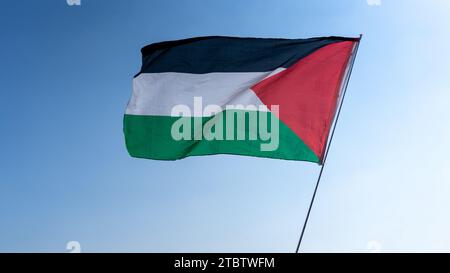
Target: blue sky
65, 175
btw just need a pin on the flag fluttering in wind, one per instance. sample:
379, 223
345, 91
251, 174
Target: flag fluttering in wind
273, 98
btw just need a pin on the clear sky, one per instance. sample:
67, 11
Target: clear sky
65, 175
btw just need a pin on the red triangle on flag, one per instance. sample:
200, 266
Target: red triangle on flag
307, 93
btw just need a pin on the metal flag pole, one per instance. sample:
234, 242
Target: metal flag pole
343, 91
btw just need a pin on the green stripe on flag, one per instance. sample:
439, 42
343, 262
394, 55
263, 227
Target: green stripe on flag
150, 137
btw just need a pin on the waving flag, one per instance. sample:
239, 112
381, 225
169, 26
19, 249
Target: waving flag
259, 97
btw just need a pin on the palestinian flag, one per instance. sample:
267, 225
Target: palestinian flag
273, 98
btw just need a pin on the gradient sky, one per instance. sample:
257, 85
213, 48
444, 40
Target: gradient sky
65, 175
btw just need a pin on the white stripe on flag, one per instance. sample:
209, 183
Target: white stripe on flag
157, 93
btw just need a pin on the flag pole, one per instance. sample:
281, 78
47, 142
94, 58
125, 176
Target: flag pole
343, 91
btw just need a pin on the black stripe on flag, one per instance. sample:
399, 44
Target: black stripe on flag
229, 54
